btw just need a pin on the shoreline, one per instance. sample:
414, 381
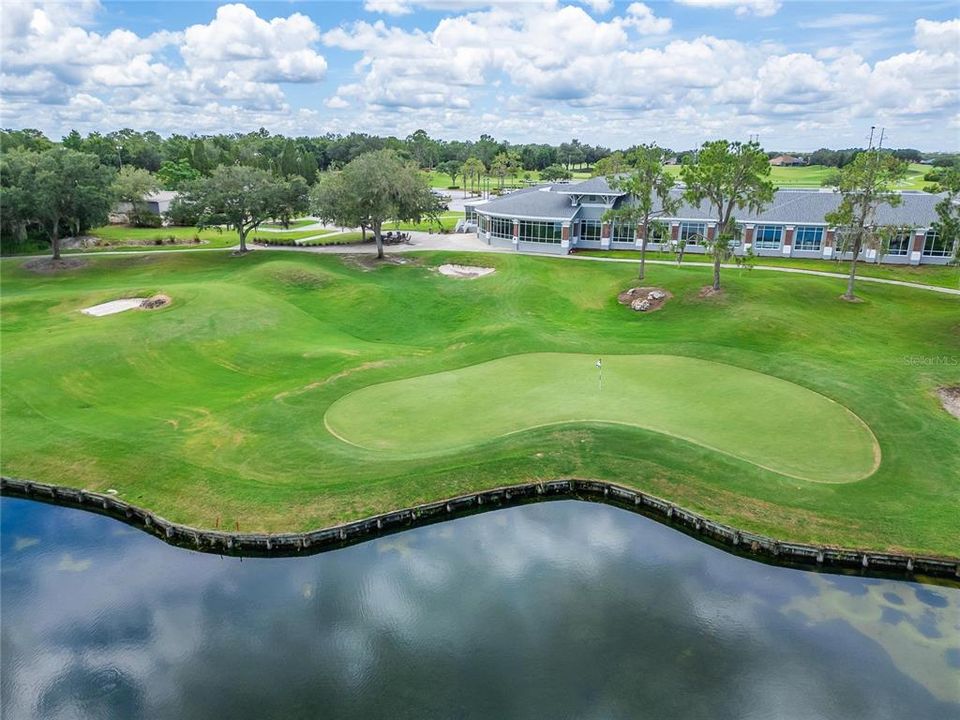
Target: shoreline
761, 548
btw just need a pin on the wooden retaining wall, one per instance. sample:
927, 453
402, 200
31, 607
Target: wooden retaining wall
760, 547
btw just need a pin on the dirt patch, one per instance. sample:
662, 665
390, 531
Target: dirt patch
366, 263
49, 266
157, 301
950, 399
644, 299
465, 271
708, 291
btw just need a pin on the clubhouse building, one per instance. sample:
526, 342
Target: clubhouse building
563, 217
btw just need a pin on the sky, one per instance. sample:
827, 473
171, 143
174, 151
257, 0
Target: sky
800, 75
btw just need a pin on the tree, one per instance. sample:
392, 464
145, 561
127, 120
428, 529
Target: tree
505, 164
729, 176
555, 172
864, 185
374, 188
174, 175
611, 165
648, 187
69, 190
17, 171
242, 198
451, 168
473, 168
131, 185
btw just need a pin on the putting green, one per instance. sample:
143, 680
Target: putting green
769, 422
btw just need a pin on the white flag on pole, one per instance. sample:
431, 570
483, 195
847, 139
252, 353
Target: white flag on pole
599, 364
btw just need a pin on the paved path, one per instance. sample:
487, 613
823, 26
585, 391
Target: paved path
469, 242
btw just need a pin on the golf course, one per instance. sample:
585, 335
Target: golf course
289, 391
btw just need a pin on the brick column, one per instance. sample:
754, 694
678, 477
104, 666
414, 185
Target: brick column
829, 242
787, 247
565, 235
605, 235
916, 252
748, 236
711, 231
638, 236
675, 231
516, 232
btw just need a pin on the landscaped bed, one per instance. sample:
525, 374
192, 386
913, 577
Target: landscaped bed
213, 411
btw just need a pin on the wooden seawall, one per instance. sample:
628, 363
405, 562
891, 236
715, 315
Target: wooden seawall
760, 547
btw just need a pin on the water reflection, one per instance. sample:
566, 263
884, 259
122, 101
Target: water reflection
560, 609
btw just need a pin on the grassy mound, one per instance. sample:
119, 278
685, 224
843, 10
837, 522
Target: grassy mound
212, 411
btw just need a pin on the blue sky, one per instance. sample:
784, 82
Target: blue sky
800, 74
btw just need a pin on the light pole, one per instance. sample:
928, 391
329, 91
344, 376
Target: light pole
119, 157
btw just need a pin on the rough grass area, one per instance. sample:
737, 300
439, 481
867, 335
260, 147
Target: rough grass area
211, 410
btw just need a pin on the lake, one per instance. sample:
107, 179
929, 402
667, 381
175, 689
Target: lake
561, 609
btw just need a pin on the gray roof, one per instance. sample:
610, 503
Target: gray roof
535, 202
801, 207
593, 186
808, 207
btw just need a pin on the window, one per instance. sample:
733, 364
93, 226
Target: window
501, 228
659, 232
541, 232
808, 237
767, 237
900, 243
693, 233
590, 230
623, 232
934, 246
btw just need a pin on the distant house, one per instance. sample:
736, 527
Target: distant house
786, 161
157, 203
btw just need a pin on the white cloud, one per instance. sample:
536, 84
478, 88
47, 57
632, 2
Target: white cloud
641, 18
762, 8
935, 36
278, 50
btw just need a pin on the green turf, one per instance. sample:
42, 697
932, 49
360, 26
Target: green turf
936, 275
210, 411
812, 176
702, 403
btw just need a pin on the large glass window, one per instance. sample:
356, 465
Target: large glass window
767, 237
808, 237
623, 232
501, 228
541, 232
693, 233
900, 243
934, 245
590, 230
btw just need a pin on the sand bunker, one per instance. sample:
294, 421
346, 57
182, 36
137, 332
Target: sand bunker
950, 399
113, 307
464, 271
118, 306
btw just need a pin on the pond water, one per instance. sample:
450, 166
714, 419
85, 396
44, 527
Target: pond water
554, 610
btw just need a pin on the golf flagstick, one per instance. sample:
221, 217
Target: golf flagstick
600, 367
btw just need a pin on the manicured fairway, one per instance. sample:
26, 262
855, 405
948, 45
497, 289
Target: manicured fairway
704, 402
212, 410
